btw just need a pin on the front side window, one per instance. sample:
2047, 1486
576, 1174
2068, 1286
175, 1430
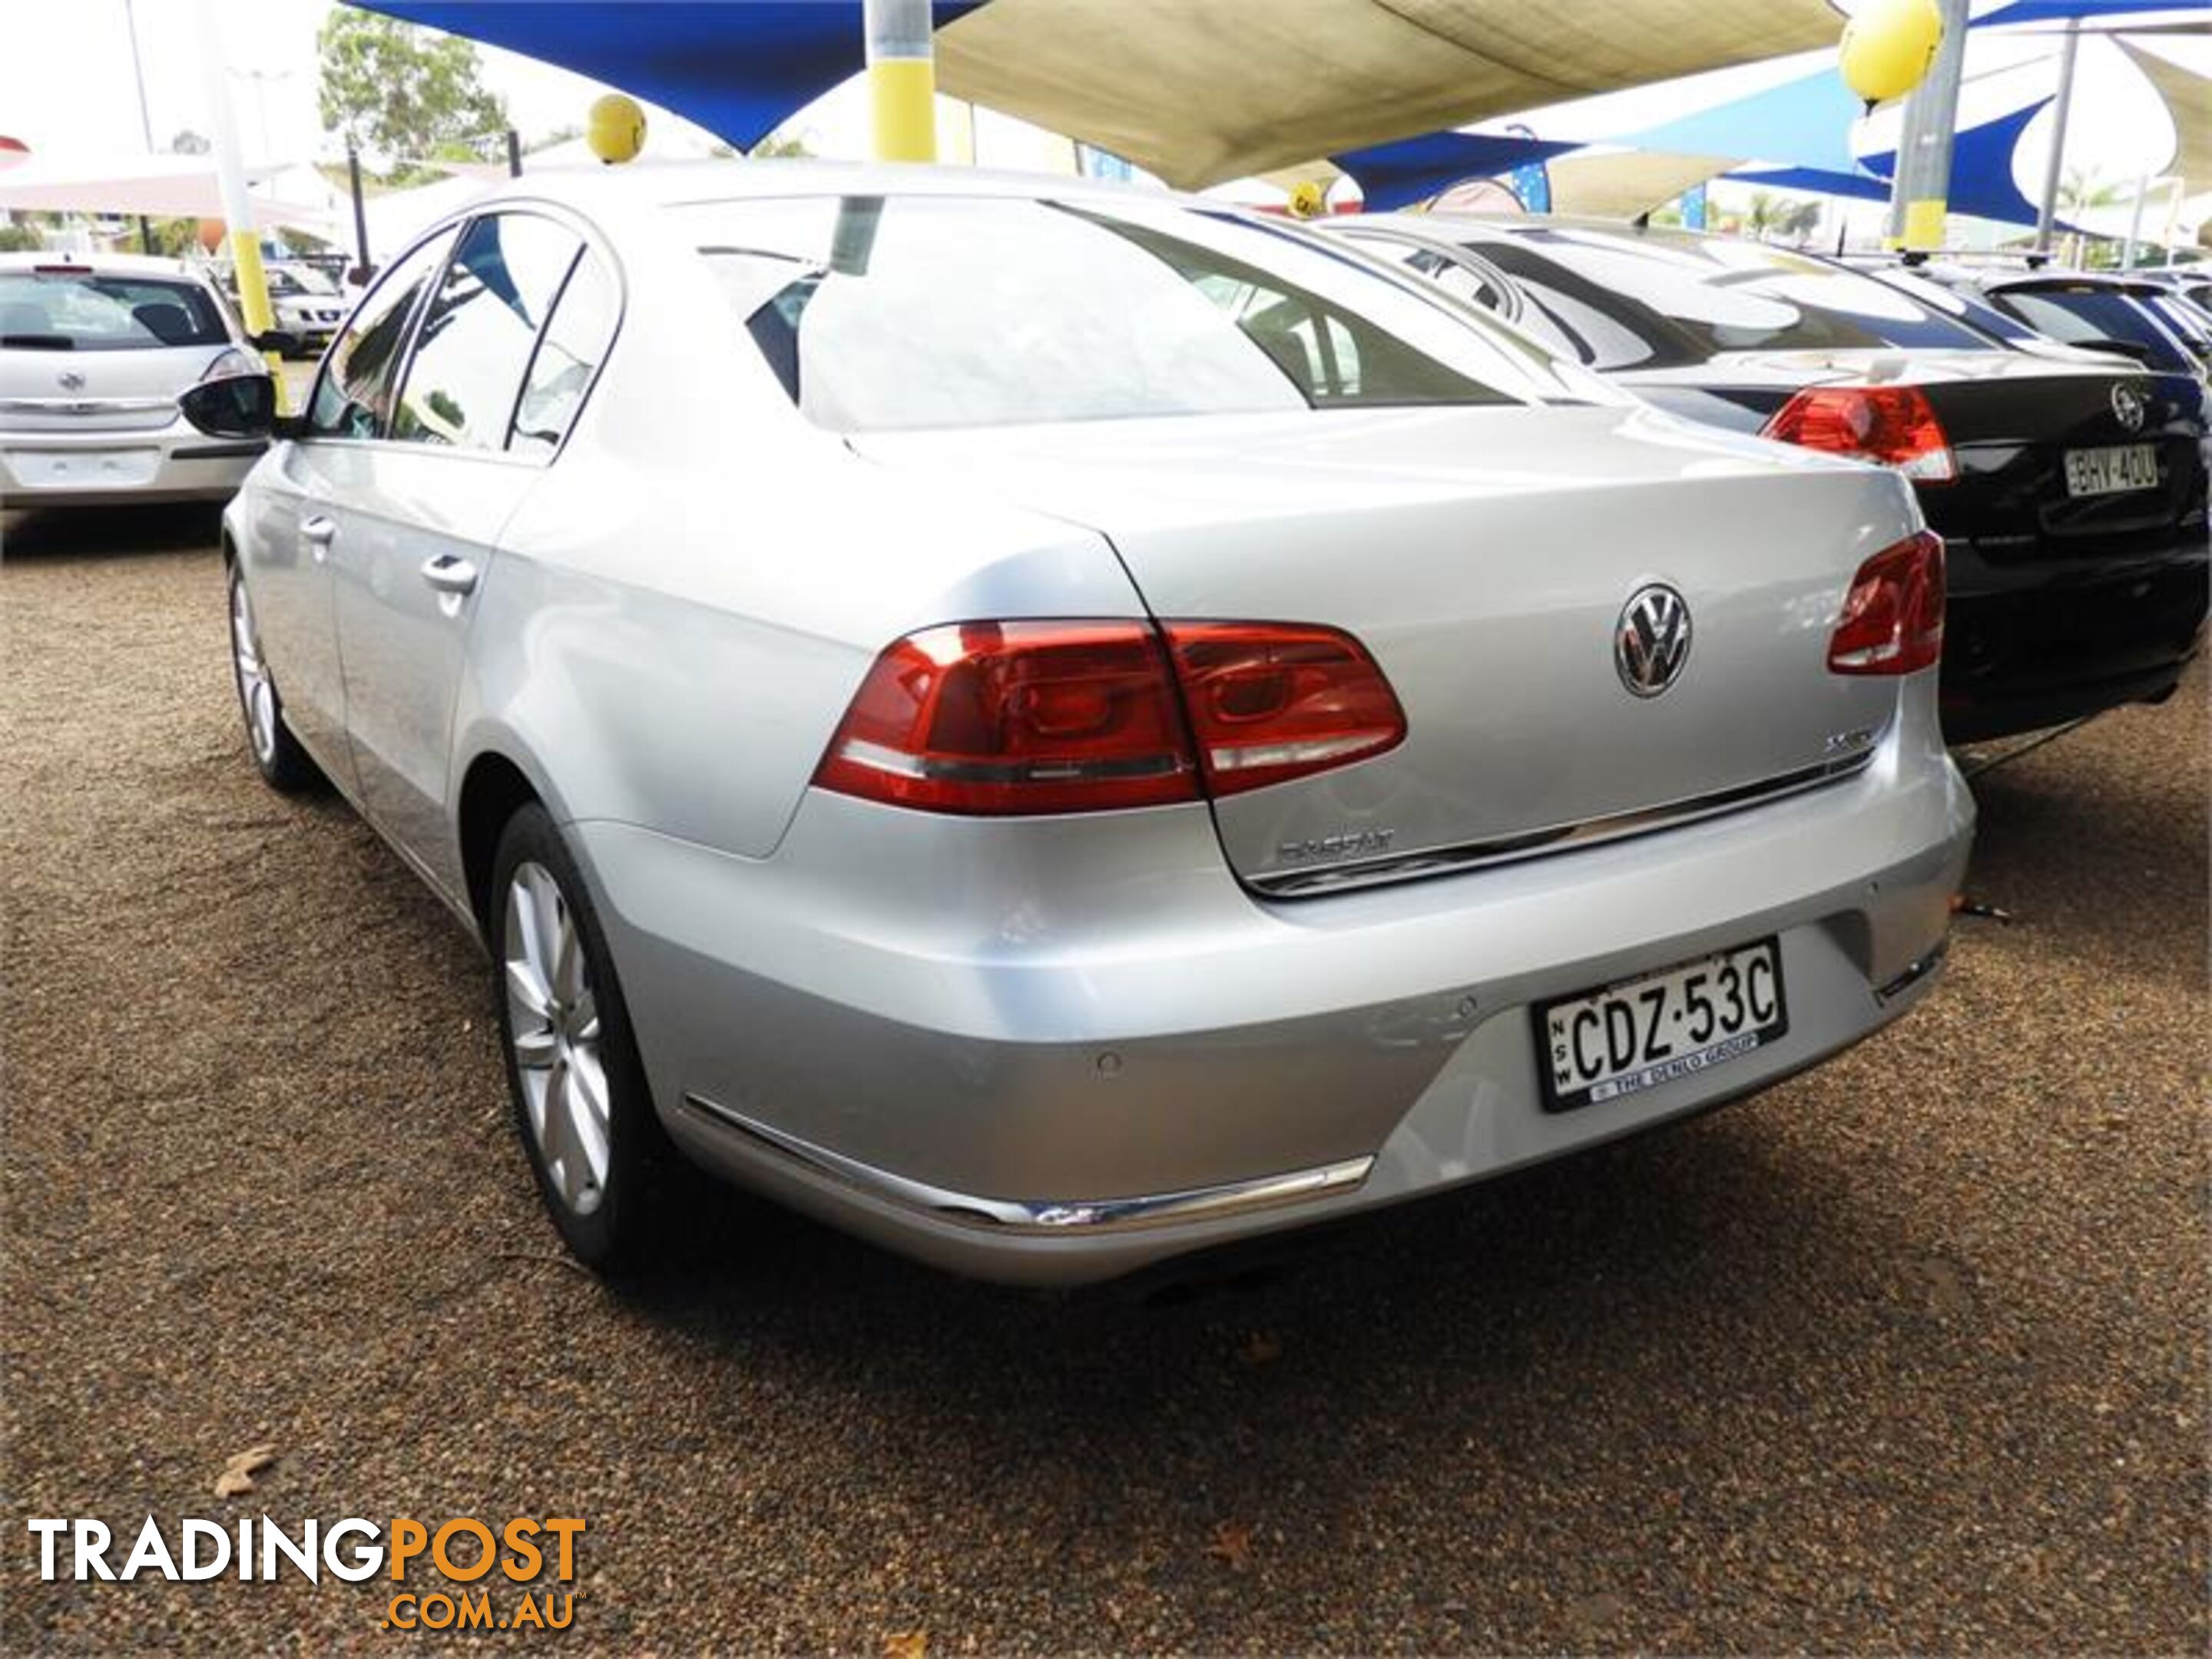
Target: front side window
354, 397
80, 311
918, 312
480, 330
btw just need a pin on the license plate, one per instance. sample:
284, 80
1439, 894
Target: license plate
1639, 1033
83, 469
2111, 472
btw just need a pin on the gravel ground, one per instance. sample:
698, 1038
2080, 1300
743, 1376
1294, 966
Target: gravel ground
1907, 1355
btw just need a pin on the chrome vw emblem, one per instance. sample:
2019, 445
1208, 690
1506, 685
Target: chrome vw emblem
2128, 407
1651, 642
72, 380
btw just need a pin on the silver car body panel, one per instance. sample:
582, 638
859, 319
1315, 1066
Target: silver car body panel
938, 1030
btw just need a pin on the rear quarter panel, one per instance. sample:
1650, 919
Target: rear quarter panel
680, 612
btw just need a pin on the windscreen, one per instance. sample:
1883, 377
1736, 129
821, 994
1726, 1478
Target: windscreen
80, 311
1653, 301
908, 313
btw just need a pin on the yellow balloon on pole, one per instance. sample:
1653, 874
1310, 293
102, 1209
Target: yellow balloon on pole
1888, 46
614, 129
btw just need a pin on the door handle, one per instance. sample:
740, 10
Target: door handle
449, 575
319, 533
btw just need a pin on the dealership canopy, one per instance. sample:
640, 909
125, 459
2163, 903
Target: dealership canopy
1197, 91
162, 186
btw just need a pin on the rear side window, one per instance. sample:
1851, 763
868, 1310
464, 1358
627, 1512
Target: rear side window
78, 310
1663, 302
919, 312
354, 395
574, 345
481, 326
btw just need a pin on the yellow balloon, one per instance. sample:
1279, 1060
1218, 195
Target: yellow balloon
616, 128
1888, 46
1307, 199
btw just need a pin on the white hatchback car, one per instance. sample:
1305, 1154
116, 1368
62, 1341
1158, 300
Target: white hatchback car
93, 354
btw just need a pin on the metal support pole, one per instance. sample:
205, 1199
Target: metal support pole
360, 210
1921, 192
145, 121
2134, 222
2046, 215
513, 153
902, 79
230, 181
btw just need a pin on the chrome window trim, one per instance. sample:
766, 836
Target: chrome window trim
1047, 1216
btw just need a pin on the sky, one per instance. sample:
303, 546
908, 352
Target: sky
67, 89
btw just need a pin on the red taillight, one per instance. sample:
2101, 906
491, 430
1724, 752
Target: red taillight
1894, 425
1269, 701
1041, 717
1893, 620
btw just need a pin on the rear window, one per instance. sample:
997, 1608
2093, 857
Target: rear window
1621, 303
909, 313
2085, 316
79, 311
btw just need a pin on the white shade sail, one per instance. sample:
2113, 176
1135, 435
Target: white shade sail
1198, 91
165, 187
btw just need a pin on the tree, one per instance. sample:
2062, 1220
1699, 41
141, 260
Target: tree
188, 142
410, 94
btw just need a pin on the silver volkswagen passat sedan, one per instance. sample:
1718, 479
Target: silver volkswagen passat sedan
1055, 725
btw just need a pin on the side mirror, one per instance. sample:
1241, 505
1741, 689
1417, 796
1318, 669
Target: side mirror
236, 406
282, 341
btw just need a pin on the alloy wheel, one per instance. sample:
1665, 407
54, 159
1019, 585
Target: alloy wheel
553, 1022
255, 692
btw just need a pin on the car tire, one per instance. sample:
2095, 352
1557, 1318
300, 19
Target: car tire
277, 755
582, 1106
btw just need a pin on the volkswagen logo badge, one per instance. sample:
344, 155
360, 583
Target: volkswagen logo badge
1651, 642
72, 380
2128, 407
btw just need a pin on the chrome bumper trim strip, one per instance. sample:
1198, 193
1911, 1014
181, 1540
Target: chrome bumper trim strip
1450, 861
1049, 1215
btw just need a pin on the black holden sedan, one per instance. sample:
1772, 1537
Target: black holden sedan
2070, 487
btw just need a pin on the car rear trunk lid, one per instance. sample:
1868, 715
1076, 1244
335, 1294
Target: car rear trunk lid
1485, 558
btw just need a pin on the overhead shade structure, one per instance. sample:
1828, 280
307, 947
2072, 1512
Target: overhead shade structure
1806, 122
1202, 90
1395, 175
738, 68
2104, 12
1803, 122
2188, 98
167, 186
1981, 173
1628, 182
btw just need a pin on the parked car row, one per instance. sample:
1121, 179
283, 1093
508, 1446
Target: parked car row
1057, 727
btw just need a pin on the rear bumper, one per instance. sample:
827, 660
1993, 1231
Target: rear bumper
176, 463
1059, 1051
2038, 644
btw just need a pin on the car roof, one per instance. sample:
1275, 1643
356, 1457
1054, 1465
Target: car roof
1487, 226
674, 184
2062, 282
104, 265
